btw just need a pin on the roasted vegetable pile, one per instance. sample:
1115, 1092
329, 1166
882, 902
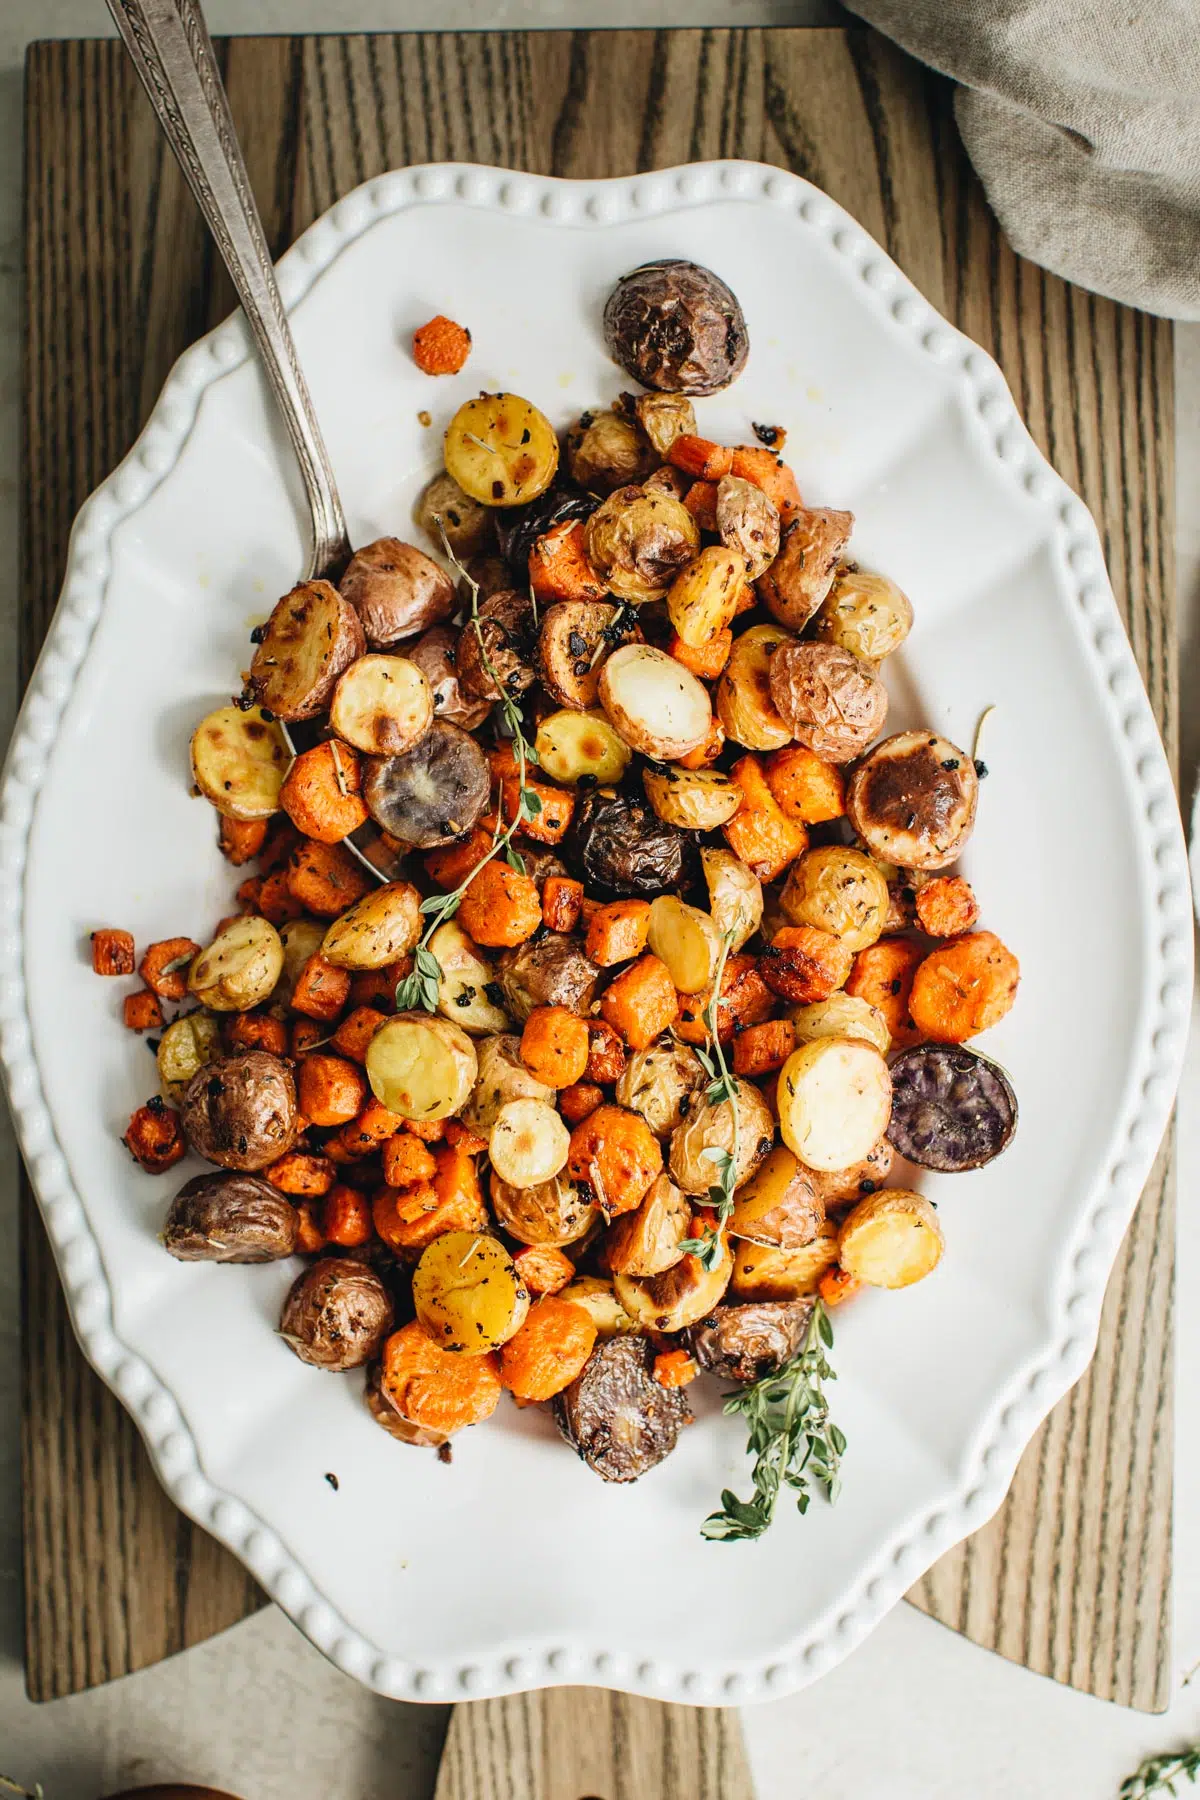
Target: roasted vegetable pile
596, 1094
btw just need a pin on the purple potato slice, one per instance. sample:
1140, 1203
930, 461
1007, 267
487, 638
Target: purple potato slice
952, 1109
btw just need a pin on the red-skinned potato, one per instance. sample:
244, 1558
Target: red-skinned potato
396, 590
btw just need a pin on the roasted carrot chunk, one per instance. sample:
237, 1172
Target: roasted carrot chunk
562, 899
142, 1011
835, 1285
549, 823
548, 1351
554, 1045
606, 1052
281, 839
346, 1217
441, 347
249, 894
306, 1034
805, 964
809, 790
701, 502
452, 865
321, 990
241, 839
325, 878
297, 1173
154, 1137
500, 908
373, 1126
617, 932
964, 987
770, 473
745, 1000
576, 1102
761, 1049
461, 1137
700, 457
559, 568
331, 1090
674, 1369
377, 987
641, 1002
309, 1237
407, 1160
276, 900
707, 660
356, 1031
543, 1269
883, 976
320, 793
112, 952
256, 1031
440, 1390
164, 967
760, 833
946, 906
615, 1152
410, 1218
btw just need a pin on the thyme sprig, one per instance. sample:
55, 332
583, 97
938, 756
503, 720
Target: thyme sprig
1158, 1774
711, 1247
795, 1443
419, 990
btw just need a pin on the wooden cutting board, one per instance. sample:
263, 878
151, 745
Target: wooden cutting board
1073, 1576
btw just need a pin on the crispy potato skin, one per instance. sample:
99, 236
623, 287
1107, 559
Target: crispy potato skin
573, 645
312, 637
230, 1218
433, 654
240, 1111
829, 700
801, 575
676, 327
912, 800
505, 641
396, 590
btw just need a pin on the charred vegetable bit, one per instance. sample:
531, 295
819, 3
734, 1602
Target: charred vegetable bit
794, 1442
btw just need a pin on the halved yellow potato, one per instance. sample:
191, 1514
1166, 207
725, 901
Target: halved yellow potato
686, 940
301, 938
421, 1067
704, 598
778, 1205
313, 633
735, 896
528, 1143
646, 1241
467, 1293
744, 704
839, 890
842, 1015
694, 799
656, 705
501, 450
572, 744
184, 1048
239, 760
835, 1100
676, 1298
377, 930
466, 976
762, 1272
240, 967
891, 1239
599, 1301
383, 705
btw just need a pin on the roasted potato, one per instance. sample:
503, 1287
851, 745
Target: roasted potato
664, 417
952, 1109
637, 542
840, 891
498, 651
601, 1305
748, 522
646, 1241
735, 896
842, 1015
396, 590
337, 1314
528, 1143
837, 1187
687, 941
865, 614
835, 1099
501, 450
240, 968
301, 939
618, 1419
677, 327
230, 1218
551, 1214
704, 597
312, 636
619, 847
467, 1293
607, 450
240, 1111
377, 930
676, 1298
693, 799
550, 970
810, 549
394, 1423
829, 700
467, 983
571, 745
501, 1076
763, 1273
660, 1083
745, 1342
654, 703
912, 800
432, 794
421, 1067
239, 760
891, 1239
709, 1126
779, 1204
187, 1044
433, 654
575, 638
744, 703
444, 508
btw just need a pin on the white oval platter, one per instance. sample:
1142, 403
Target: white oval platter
516, 1567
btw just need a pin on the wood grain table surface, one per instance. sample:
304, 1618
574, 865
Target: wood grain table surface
1072, 1577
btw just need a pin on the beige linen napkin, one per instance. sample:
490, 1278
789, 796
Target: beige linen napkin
1082, 118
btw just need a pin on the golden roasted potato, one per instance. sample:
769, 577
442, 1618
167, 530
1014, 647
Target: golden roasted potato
433, 654
377, 930
467, 975
748, 522
676, 1298
694, 799
646, 1241
313, 634
842, 1015
599, 1301
686, 940
811, 547
239, 760
301, 938
444, 507
709, 1126
571, 744
704, 596
654, 703
735, 896
660, 1082
891, 1239
607, 450
501, 450
396, 590
835, 1100
778, 1205
501, 1076
240, 967
637, 542
382, 705
552, 1214
840, 891
763, 1272
467, 1293
184, 1047
528, 1143
744, 704
421, 1067
575, 638
912, 800
866, 614
828, 699
664, 417
837, 1187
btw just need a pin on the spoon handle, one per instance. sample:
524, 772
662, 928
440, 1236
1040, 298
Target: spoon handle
173, 54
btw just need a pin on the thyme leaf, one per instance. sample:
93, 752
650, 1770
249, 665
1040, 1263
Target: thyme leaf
1158, 1774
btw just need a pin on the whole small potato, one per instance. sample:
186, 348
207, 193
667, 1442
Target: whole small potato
337, 1314
675, 326
551, 1214
828, 699
638, 542
240, 1111
810, 550
434, 655
646, 1241
608, 450
240, 968
840, 891
866, 614
748, 522
676, 1298
709, 1126
444, 507
230, 1218
396, 590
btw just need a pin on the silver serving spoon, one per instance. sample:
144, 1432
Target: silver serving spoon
172, 52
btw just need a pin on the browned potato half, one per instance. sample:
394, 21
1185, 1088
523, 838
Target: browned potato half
554, 1213
434, 792
469, 528
575, 638
312, 636
866, 614
842, 1015
607, 450
501, 450
239, 760
827, 699
433, 654
676, 1298
550, 970
913, 799
735, 896
382, 705
744, 703
709, 1126
240, 1111
600, 1303
301, 938
336, 1315
467, 1292
230, 1218
811, 547
763, 1272
421, 1067
748, 522
571, 745
240, 967
467, 977
499, 651
704, 597
396, 590
664, 417
656, 705
891, 1239
779, 1204
694, 799
835, 1100
661, 1083
377, 930
837, 1187
838, 890
637, 542
646, 1241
